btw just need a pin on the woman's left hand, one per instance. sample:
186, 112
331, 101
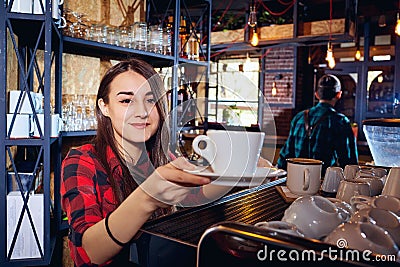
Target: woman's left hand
167, 185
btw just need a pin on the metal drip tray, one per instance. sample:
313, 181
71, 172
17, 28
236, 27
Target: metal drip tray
264, 204
178, 234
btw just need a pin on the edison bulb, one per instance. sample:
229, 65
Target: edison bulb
274, 89
254, 38
397, 28
329, 57
357, 55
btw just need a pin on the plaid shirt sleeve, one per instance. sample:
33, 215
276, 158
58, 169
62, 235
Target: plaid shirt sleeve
79, 200
294, 141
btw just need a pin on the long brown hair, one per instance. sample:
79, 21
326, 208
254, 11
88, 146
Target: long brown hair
105, 134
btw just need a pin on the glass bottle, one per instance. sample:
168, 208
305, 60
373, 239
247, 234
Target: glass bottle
182, 38
192, 47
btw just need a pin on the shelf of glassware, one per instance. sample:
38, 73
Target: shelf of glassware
85, 47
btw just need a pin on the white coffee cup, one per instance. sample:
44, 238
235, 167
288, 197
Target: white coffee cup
344, 208
21, 6
314, 216
363, 236
230, 152
382, 202
360, 202
392, 184
350, 171
380, 172
21, 127
281, 227
374, 182
303, 176
332, 178
347, 189
24, 105
382, 218
387, 202
56, 123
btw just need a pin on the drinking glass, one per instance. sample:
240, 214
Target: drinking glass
140, 35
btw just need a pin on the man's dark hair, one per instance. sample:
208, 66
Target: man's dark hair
328, 86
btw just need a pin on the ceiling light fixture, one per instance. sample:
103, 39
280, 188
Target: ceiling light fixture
252, 16
329, 53
397, 28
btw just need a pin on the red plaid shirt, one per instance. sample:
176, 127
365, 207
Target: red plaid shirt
87, 195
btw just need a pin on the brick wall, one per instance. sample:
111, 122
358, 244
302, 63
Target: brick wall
279, 64
293, 93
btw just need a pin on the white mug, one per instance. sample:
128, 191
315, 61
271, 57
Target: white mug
230, 152
382, 218
374, 182
303, 176
387, 202
314, 216
350, 171
21, 127
333, 176
21, 6
392, 184
37, 8
345, 210
56, 123
363, 236
360, 202
25, 106
347, 189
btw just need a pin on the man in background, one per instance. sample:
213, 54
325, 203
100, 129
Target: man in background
321, 132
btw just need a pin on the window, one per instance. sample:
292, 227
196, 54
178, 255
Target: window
233, 91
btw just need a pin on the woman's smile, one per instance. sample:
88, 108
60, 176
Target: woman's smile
140, 125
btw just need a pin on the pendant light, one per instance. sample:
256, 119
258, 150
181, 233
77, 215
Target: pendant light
254, 38
329, 53
252, 22
397, 28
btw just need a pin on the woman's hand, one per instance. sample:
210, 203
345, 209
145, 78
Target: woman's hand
168, 184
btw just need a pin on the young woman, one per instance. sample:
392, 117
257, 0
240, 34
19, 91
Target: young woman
100, 182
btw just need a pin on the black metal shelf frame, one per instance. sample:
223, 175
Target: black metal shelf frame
199, 12
28, 34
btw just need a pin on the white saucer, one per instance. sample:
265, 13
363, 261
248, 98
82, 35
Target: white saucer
258, 178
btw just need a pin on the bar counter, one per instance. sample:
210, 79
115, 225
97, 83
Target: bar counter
224, 232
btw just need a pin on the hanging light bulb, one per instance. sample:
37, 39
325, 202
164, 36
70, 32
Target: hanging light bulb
357, 55
397, 28
254, 38
252, 17
274, 89
329, 57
